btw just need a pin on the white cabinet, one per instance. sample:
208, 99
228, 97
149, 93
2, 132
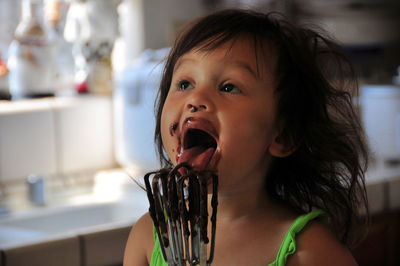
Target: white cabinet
55, 136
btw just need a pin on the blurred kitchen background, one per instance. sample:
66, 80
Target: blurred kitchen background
78, 79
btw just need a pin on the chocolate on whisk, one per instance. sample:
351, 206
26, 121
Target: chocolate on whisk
178, 201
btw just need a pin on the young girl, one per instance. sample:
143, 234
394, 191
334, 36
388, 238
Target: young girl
288, 151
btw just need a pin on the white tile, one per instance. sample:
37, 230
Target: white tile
27, 143
376, 197
394, 193
84, 134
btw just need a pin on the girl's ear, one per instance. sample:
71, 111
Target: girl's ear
279, 148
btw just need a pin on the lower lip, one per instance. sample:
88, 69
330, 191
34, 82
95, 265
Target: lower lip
212, 165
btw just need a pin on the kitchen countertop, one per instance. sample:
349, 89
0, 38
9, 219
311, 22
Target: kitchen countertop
114, 201
115, 195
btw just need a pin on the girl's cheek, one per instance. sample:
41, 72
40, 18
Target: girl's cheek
167, 139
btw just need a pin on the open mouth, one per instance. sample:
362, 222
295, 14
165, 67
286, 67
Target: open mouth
198, 147
198, 138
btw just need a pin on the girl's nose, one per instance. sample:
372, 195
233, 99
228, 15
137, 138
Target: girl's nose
194, 108
200, 99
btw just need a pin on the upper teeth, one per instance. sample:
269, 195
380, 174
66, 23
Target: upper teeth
180, 153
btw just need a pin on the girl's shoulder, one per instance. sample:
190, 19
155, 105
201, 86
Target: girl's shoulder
140, 242
317, 245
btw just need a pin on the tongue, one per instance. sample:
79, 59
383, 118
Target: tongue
197, 156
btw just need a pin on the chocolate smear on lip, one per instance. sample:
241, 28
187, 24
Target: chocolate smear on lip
198, 148
172, 129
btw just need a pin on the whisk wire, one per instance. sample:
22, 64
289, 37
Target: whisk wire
178, 205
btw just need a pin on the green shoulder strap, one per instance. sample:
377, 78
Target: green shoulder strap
288, 246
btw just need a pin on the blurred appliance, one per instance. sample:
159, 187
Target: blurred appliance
381, 117
135, 92
353, 22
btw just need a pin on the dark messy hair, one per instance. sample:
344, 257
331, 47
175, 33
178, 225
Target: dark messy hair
314, 83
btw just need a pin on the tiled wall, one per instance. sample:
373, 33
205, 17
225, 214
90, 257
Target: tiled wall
383, 188
55, 136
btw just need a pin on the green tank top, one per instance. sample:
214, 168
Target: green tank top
288, 246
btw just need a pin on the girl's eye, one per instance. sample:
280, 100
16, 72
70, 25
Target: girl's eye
184, 85
230, 88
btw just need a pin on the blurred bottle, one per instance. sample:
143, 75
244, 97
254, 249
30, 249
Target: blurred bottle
30, 56
92, 27
54, 19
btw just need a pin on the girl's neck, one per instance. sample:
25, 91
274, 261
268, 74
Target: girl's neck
242, 204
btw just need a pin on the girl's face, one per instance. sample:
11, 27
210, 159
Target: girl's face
220, 114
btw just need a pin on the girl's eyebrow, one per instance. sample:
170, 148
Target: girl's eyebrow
237, 63
247, 67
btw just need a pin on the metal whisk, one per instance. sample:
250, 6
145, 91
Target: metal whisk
178, 207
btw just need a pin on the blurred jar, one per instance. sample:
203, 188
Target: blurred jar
30, 56
4, 93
